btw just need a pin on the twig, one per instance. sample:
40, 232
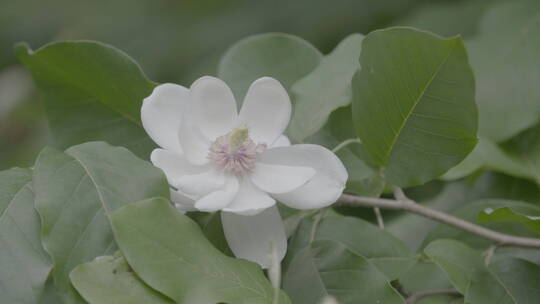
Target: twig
403, 203
417, 296
489, 254
398, 194
315, 224
345, 143
379, 217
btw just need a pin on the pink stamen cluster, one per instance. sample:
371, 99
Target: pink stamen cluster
235, 160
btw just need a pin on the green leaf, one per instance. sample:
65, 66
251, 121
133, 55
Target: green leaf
509, 281
457, 260
413, 104
76, 191
492, 184
423, 276
507, 73
325, 89
519, 156
528, 254
284, 57
212, 228
91, 91
528, 216
330, 268
170, 253
524, 149
385, 251
110, 280
520, 278
23, 262
488, 155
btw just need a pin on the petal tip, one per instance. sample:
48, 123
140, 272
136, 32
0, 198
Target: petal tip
206, 80
267, 79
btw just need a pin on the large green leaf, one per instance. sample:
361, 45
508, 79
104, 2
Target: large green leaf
490, 184
170, 253
508, 281
329, 268
457, 260
507, 73
524, 149
520, 278
488, 155
527, 215
212, 228
325, 89
384, 251
284, 57
76, 191
24, 265
424, 276
91, 91
519, 156
110, 280
413, 104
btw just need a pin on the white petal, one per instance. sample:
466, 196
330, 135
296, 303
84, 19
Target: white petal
249, 200
282, 141
174, 165
320, 192
324, 188
182, 202
212, 107
220, 198
161, 113
251, 237
193, 142
199, 185
266, 110
279, 179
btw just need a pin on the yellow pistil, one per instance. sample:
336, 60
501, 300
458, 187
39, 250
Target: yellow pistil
237, 137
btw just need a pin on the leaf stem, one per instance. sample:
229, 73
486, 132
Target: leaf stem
489, 253
379, 217
315, 224
345, 143
417, 296
274, 272
401, 202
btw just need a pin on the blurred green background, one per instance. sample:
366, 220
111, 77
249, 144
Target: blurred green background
178, 41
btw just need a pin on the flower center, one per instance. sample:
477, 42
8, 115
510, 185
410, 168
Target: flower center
235, 152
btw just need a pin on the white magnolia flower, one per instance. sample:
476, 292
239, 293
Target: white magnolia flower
240, 163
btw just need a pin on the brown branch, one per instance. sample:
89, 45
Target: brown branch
403, 203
